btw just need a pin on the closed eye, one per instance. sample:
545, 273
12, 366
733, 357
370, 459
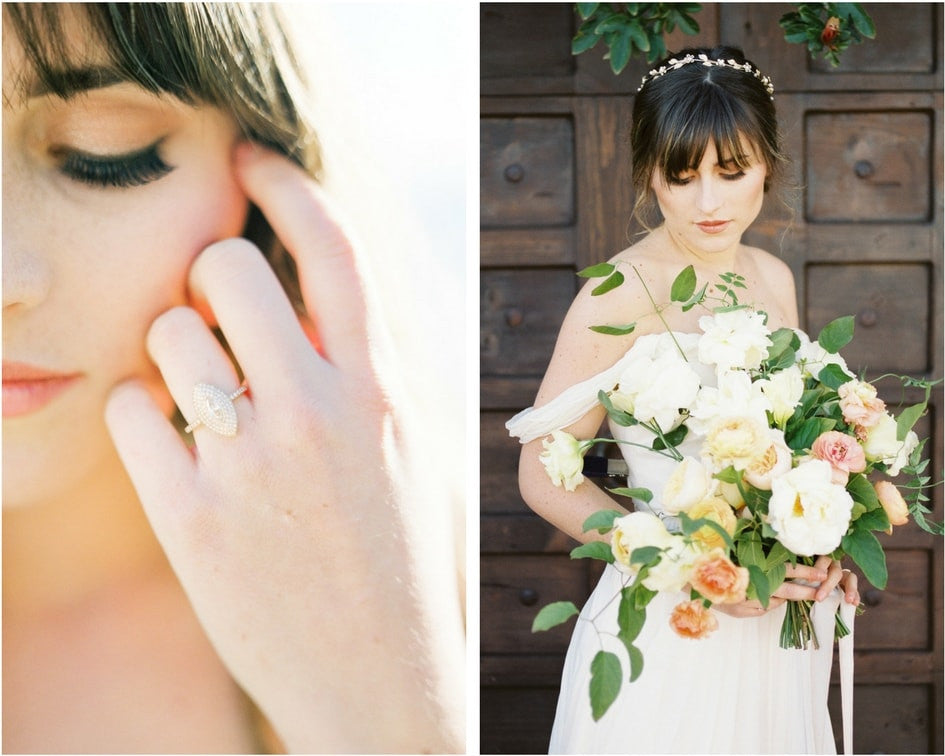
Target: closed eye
123, 171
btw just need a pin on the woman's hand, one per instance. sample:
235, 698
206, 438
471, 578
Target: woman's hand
802, 583
308, 543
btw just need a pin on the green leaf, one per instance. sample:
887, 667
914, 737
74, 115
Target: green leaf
778, 555
810, 429
601, 521
614, 330
862, 491
582, 42
687, 24
796, 37
836, 334
597, 271
638, 37
758, 582
674, 438
630, 620
610, 283
864, 549
636, 662
643, 494
593, 550
620, 52
553, 615
645, 555
586, 10
684, 285
907, 418
833, 376
876, 519
861, 19
620, 417
606, 679
728, 475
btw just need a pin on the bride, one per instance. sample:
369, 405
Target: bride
705, 149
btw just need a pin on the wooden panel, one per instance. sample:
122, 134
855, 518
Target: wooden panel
520, 314
510, 393
906, 595
525, 40
873, 167
516, 720
513, 590
888, 718
527, 247
526, 173
498, 462
892, 309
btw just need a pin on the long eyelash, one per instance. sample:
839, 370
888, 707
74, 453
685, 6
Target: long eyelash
118, 171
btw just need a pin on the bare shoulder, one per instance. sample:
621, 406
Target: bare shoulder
775, 283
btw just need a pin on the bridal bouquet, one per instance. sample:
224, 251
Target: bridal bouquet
781, 454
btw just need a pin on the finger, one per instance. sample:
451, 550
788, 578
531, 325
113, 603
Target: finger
795, 591
834, 575
805, 572
332, 284
252, 310
850, 592
187, 353
149, 446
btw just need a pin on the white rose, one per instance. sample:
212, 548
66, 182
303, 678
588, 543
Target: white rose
735, 442
813, 357
783, 389
674, 567
563, 459
735, 396
734, 339
809, 513
776, 461
689, 484
881, 445
656, 383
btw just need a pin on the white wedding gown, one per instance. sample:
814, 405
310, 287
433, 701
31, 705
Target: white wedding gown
736, 691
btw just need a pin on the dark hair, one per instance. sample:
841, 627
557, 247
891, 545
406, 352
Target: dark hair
233, 56
675, 114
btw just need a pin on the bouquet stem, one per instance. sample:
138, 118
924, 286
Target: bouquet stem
797, 629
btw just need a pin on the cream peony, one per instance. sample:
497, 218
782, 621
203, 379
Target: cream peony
656, 383
563, 459
691, 619
736, 442
809, 513
860, 405
734, 396
738, 339
783, 389
689, 484
718, 579
881, 445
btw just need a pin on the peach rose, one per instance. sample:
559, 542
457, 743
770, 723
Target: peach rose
896, 508
842, 452
718, 579
691, 619
718, 510
860, 405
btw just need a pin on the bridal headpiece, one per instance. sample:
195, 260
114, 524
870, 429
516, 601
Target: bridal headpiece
702, 59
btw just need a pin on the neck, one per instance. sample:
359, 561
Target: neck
76, 547
720, 261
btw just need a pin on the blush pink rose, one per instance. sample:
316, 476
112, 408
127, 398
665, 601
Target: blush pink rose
842, 452
718, 579
896, 508
691, 619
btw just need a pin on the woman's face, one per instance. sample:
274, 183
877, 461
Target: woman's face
707, 209
108, 196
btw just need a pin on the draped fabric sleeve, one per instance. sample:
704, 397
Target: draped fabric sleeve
566, 408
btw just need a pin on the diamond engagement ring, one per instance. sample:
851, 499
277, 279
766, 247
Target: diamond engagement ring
215, 409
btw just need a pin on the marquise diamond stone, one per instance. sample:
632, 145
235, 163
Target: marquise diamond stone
215, 409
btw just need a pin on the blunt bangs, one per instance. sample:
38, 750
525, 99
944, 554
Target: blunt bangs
682, 137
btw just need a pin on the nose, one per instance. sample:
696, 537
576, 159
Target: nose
710, 196
27, 274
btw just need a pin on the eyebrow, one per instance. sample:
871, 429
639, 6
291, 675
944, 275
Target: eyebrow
68, 82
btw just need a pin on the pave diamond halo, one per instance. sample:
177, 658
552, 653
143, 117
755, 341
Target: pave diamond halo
214, 409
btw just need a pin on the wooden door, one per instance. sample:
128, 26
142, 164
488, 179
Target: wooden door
864, 237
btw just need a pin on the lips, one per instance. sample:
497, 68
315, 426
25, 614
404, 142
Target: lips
28, 388
713, 227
